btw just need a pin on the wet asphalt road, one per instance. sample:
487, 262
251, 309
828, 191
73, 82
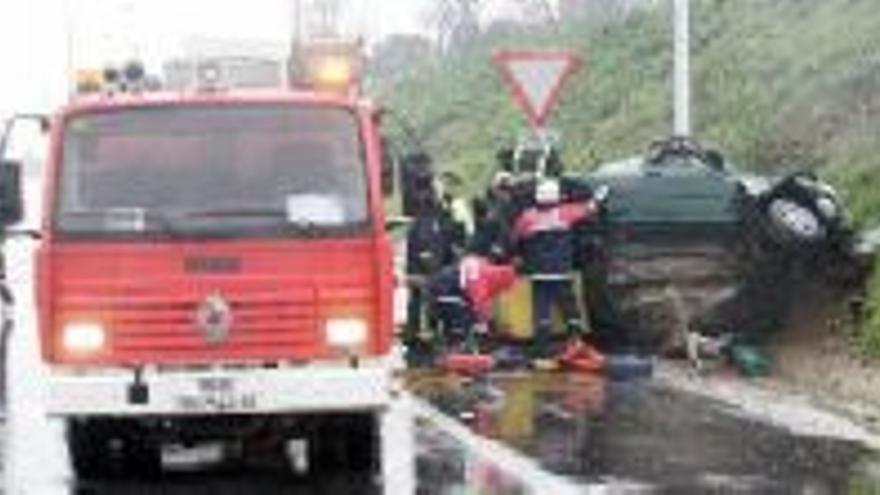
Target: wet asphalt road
644, 435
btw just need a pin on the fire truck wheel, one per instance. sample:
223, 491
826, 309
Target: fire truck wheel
106, 449
142, 457
89, 448
344, 444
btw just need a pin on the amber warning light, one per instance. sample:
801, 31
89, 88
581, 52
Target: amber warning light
333, 73
327, 65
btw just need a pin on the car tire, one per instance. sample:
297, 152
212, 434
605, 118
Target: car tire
791, 223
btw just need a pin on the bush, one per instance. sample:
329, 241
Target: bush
869, 335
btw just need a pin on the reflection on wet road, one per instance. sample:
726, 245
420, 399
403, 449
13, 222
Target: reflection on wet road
641, 434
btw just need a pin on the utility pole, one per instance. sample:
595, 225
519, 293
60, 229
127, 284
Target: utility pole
297, 22
327, 17
70, 39
682, 77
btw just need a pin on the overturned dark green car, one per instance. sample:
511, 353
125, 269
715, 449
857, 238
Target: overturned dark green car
689, 244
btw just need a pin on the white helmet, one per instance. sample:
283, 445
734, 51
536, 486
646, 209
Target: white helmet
547, 192
501, 179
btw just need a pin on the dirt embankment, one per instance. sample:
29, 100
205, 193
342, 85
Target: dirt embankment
815, 355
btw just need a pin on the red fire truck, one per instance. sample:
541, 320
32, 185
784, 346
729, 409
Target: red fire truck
215, 266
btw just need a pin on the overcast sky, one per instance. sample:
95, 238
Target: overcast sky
40, 40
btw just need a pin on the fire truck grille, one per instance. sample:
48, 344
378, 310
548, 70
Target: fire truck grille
271, 325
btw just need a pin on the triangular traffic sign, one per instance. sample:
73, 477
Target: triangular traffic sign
535, 78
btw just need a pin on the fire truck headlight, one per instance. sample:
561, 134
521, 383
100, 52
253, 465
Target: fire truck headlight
346, 333
83, 338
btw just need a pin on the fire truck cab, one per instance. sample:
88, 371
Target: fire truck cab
215, 265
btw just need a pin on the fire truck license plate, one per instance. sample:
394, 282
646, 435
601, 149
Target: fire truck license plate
217, 395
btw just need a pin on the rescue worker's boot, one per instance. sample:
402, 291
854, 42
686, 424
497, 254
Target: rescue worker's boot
466, 356
581, 356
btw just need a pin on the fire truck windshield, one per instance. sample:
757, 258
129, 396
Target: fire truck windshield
234, 170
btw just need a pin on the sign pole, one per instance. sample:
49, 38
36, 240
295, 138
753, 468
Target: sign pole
682, 77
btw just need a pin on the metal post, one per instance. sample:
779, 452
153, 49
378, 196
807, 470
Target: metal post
70, 37
297, 22
6, 300
682, 77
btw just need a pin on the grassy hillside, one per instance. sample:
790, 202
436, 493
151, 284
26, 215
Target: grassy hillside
779, 84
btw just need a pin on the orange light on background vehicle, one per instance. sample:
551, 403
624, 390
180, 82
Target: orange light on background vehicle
89, 81
333, 73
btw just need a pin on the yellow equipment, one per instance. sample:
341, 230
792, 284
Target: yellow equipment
513, 311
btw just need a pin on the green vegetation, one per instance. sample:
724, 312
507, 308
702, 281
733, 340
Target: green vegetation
778, 85
870, 335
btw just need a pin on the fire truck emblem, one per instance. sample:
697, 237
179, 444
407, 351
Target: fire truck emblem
214, 317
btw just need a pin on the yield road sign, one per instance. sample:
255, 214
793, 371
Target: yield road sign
536, 77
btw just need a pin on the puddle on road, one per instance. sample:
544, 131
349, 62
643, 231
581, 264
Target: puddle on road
443, 467
645, 434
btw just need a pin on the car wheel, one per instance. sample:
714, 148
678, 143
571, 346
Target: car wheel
792, 222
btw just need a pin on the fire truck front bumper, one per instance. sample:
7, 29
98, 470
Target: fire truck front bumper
287, 390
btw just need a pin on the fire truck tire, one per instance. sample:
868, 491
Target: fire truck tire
142, 457
347, 444
104, 449
89, 450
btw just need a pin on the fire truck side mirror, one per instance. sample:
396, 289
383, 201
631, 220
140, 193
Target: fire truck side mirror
45, 125
388, 170
11, 203
418, 193
397, 222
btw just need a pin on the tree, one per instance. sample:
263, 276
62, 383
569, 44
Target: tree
454, 22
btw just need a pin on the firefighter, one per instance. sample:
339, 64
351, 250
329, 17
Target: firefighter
544, 235
433, 241
493, 219
462, 296
429, 246
449, 306
458, 213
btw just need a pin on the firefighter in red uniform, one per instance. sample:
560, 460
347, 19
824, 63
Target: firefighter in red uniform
544, 236
462, 296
